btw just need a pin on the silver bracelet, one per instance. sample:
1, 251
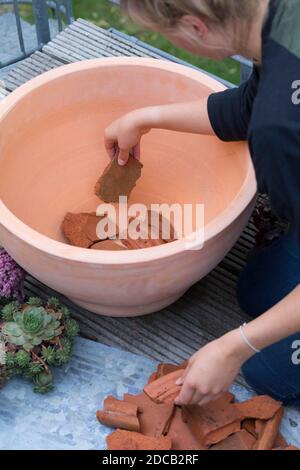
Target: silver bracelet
246, 340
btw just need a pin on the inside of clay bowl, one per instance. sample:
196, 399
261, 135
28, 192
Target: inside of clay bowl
52, 148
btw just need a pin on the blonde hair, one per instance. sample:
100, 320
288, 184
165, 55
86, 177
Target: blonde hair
166, 14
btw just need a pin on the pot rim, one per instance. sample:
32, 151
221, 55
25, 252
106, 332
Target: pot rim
62, 250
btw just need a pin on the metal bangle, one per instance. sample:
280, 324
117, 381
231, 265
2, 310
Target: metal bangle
246, 340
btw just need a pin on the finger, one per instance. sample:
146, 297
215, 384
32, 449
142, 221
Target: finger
137, 151
111, 148
123, 157
186, 395
197, 397
181, 380
205, 400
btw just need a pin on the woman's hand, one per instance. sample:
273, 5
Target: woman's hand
212, 370
124, 135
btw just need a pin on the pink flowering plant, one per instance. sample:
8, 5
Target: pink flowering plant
11, 278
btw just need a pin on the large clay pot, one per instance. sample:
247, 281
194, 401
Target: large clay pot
51, 154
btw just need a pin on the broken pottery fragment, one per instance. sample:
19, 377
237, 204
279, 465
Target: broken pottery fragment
164, 389
109, 245
128, 440
151, 232
241, 440
152, 378
280, 441
181, 435
260, 407
119, 414
141, 243
165, 369
80, 229
267, 438
249, 426
118, 180
213, 422
153, 418
259, 426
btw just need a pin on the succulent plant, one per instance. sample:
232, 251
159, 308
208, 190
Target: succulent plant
34, 337
71, 328
62, 356
43, 382
35, 302
22, 358
54, 303
65, 312
48, 354
34, 369
31, 327
10, 359
8, 311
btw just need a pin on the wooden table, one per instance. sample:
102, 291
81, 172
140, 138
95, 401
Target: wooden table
209, 309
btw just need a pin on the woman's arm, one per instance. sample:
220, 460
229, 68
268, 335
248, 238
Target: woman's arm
212, 369
124, 135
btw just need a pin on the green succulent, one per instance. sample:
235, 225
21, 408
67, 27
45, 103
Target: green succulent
22, 358
54, 303
9, 310
62, 356
43, 382
31, 327
16, 370
65, 312
71, 328
67, 344
35, 302
10, 360
35, 368
48, 355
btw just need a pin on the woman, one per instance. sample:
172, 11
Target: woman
265, 111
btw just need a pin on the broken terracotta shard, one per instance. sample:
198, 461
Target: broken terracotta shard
153, 418
165, 369
270, 430
260, 407
153, 231
181, 435
80, 229
164, 389
249, 426
118, 180
109, 245
119, 414
126, 440
280, 441
213, 422
241, 440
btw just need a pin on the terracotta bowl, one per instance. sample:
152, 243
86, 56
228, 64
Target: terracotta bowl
51, 154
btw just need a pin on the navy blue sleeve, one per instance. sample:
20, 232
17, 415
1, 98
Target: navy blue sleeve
230, 110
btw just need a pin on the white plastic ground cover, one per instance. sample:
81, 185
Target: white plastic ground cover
65, 419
